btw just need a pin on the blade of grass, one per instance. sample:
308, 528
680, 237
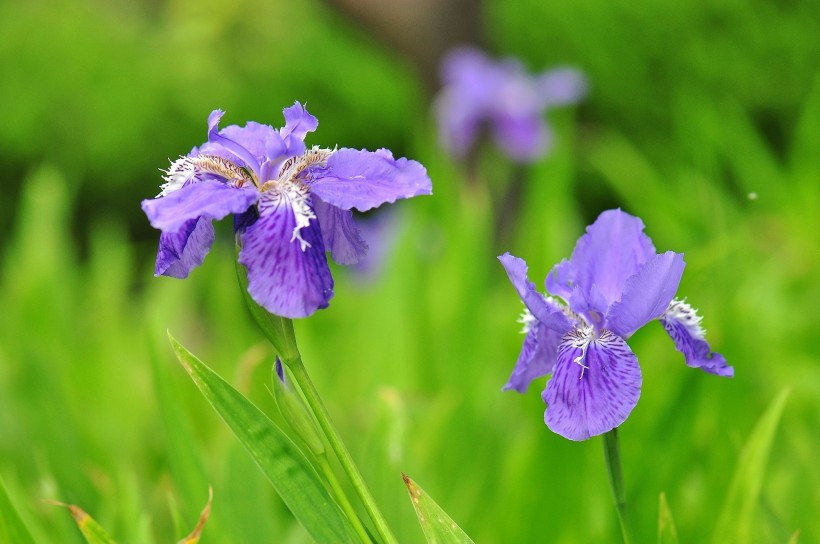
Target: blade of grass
288, 470
735, 522
667, 533
91, 530
437, 526
12, 528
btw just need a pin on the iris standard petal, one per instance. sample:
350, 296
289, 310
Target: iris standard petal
182, 251
537, 357
235, 149
339, 233
613, 249
298, 122
588, 400
209, 199
365, 179
283, 278
560, 280
547, 313
647, 294
683, 324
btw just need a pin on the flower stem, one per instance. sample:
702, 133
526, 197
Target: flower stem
341, 497
612, 456
300, 376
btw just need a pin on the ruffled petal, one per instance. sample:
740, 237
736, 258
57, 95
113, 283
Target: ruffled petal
209, 199
561, 86
612, 250
365, 179
584, 401
339, 233
282, 277
682, 323
537, 357
182, 251
547, 313
647, 294
560, 281
298, 122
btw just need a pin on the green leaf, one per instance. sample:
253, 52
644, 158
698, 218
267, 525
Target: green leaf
288, 470
667, 534
91, 530
437, 526
735, 522
12, 528
193, 538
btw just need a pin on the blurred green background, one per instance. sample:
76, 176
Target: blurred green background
703, 119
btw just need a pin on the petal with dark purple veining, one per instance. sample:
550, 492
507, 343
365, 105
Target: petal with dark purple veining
537, 358
339, 232
209, 199
367, 179
283, 278
182, 251
584, 401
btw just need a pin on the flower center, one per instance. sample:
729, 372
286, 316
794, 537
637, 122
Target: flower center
581, 338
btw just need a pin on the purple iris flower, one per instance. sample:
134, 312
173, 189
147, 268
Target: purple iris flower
290, 204
613, 285
501, 96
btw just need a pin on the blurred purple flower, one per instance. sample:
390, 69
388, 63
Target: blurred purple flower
290, 205
613, 284
479, 93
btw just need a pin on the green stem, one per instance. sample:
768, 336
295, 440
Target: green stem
300, 376
341, 497
612, 456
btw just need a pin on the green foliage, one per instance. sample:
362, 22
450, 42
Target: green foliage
703, 120
12, 528
667, 533
437, 526
282, 462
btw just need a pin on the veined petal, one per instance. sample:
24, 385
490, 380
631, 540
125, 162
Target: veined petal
682, 323
298, 122
612, 250
537, 357
647, 294
339, 233
594, 387
589, 303
284, 277
182, 251
548, 313
365, 179
209, 199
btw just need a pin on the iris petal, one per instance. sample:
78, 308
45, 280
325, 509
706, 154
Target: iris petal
537, 357
209, 199
182, 251
367, 179
282, 277
339, 233
547, 313
584, 401
612, 250
647, 294
683, 325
